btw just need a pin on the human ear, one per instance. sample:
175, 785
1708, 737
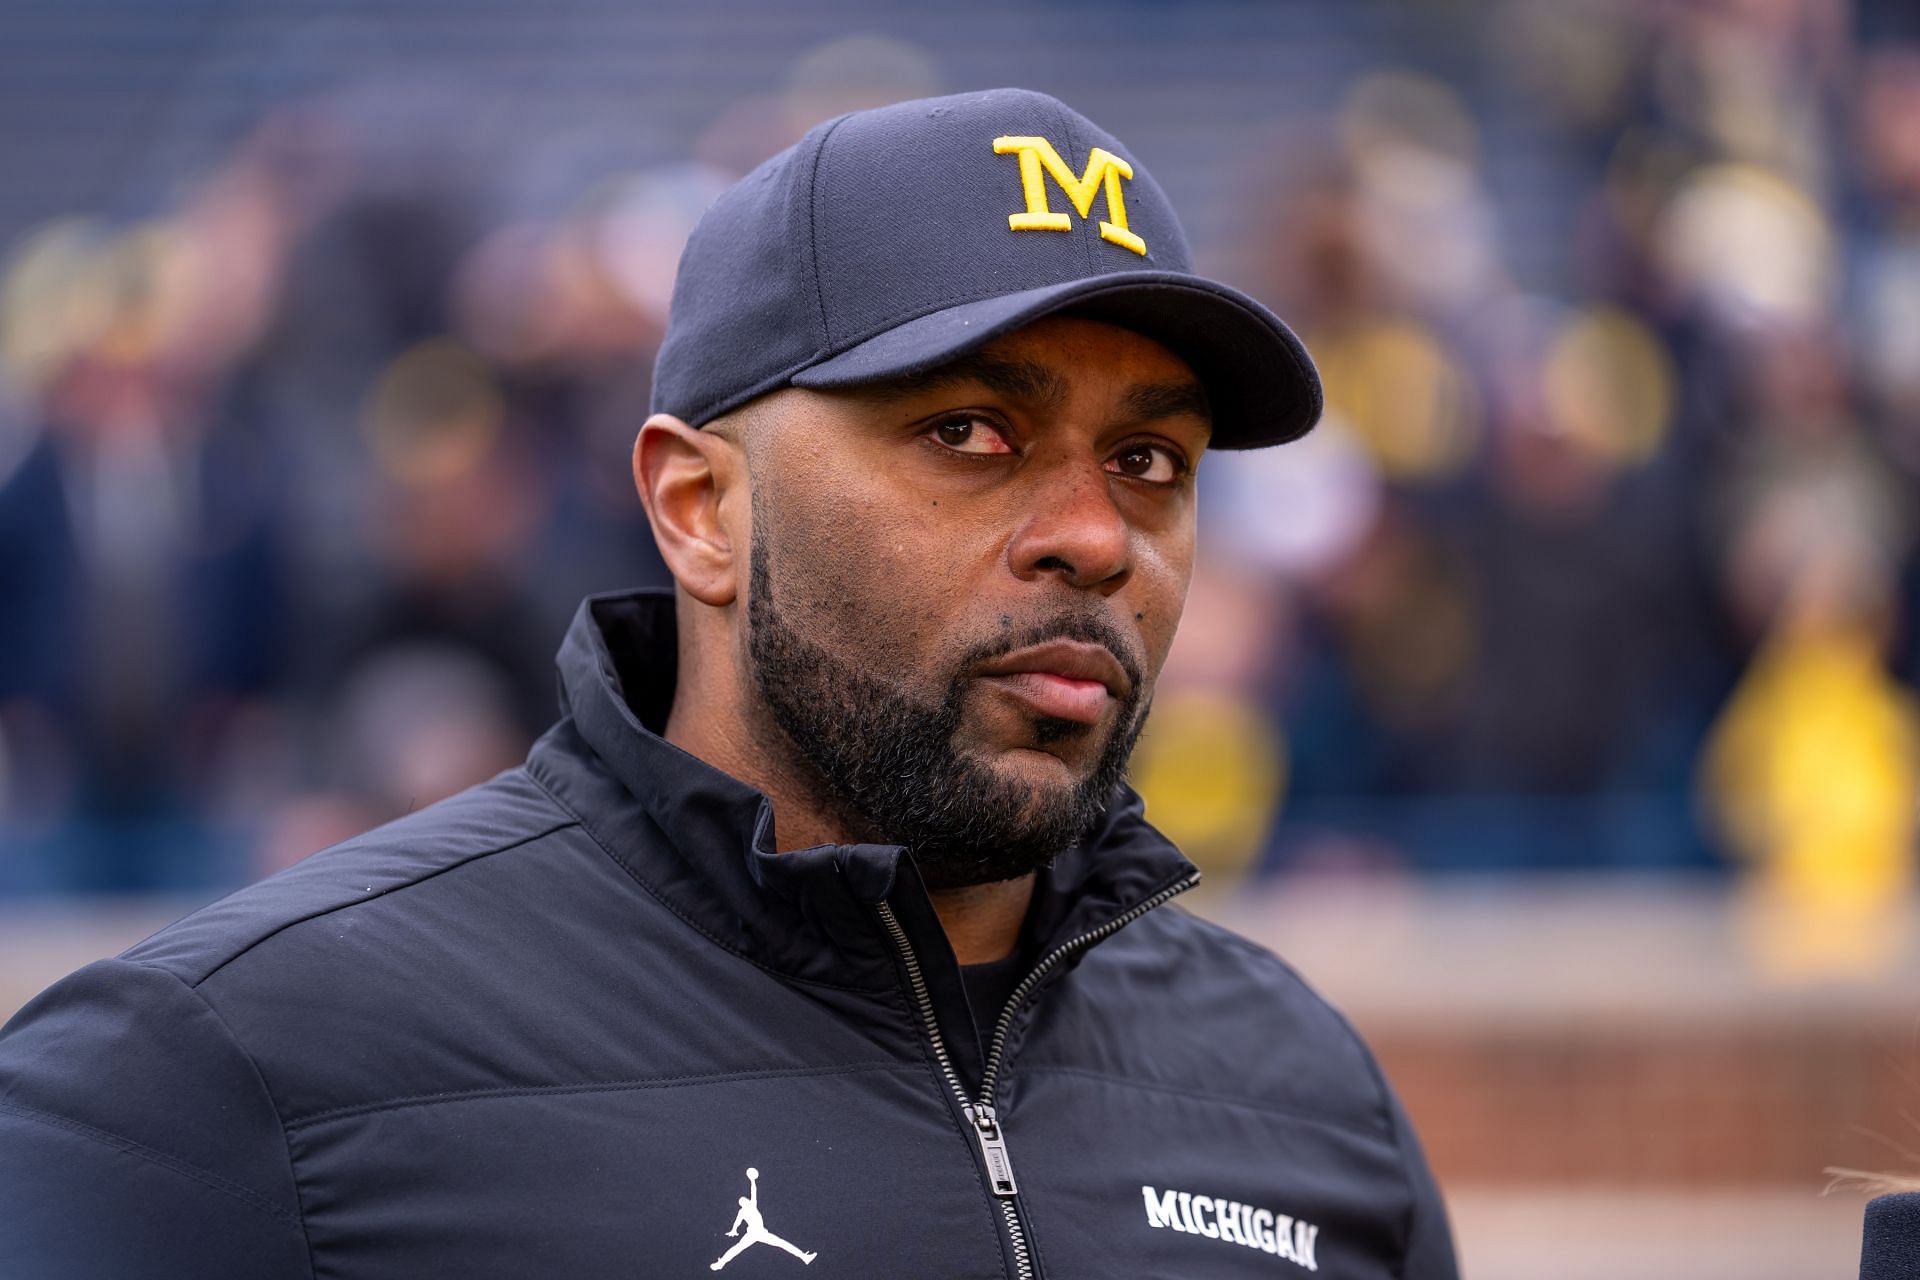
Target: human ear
688, 481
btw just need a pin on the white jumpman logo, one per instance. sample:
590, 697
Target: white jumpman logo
757, 1233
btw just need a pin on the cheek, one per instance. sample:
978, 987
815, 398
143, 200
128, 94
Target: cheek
864, 576
1162, 574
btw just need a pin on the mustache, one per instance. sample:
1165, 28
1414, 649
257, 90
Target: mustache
1083, 627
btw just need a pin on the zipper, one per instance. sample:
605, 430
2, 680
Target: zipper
979, 1112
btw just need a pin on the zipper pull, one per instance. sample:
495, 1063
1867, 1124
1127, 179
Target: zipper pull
993, 1146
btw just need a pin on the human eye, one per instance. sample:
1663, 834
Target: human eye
1153, 463
968, 433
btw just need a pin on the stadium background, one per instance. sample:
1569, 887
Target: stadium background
1551, 707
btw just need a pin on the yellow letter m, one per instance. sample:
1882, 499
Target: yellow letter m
1038, 159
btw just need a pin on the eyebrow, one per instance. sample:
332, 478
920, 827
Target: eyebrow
1037, 384
1150, 401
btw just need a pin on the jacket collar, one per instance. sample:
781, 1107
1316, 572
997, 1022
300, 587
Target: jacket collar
702, 841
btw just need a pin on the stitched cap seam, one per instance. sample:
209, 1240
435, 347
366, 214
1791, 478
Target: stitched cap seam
813, 234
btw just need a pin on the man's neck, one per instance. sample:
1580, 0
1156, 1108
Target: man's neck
982, 922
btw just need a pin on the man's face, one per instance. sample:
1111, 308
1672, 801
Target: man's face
963, 585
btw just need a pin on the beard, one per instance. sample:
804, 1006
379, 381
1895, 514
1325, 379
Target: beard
885, 762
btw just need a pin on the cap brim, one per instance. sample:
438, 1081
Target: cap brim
1259, 379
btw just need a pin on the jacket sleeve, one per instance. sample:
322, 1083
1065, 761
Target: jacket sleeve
137, 1139
1429, 1254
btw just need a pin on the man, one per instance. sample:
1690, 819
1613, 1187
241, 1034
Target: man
828, 869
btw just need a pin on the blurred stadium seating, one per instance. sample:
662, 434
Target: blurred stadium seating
1552, 706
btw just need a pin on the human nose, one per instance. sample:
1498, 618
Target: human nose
1074, 529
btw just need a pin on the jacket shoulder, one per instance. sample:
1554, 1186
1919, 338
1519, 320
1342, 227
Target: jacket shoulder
1215, 1013
137, 1138
504, 813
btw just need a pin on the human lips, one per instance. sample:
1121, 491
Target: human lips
1066, 679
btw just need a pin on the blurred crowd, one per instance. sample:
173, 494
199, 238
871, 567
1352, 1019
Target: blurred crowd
1619, 573
1603, 558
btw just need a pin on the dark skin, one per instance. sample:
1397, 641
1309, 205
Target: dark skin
1052, 470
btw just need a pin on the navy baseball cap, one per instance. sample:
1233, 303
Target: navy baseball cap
888, 242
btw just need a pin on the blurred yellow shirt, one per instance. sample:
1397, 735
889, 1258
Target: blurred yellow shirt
1811, 774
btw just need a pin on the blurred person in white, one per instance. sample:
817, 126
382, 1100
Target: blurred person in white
413, 723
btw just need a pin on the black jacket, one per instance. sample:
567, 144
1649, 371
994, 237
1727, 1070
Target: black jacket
581, 1021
